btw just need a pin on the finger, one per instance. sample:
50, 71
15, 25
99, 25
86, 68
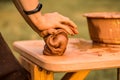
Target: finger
43, 33
47, 32
52, 31
75, 30
66, 28
66, 20
70, 24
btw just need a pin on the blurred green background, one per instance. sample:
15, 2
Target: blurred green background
14, 28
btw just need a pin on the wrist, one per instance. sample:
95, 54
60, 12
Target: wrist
36, 18
37, 9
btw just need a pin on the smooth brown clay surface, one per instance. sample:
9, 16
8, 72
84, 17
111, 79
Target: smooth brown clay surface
104, 27
56, 43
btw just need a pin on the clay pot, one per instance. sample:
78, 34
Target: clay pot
104, 27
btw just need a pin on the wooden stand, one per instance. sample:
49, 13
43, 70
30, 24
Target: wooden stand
79, 59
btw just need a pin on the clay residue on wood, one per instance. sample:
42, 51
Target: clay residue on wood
88, 47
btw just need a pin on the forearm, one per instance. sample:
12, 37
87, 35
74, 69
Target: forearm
48, 20
29, 5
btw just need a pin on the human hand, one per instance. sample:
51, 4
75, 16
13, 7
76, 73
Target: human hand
57, 21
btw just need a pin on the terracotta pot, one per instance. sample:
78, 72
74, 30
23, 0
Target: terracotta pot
104, 27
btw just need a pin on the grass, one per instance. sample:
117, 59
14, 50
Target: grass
14, 28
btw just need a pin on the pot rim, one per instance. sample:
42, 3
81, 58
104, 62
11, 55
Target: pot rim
102, 15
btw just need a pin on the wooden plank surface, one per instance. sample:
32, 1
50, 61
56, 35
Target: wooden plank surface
80, 55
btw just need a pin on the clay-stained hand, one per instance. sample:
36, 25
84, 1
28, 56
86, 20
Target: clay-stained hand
55, 21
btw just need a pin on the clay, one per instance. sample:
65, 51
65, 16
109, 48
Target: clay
103, 15
104, 27
55, 39
55, 43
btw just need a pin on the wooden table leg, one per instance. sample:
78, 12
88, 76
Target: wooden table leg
36, 72
118, 73
41, 74
76, 75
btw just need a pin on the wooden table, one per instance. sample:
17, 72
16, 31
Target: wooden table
79, 59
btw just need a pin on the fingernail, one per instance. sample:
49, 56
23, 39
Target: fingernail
76, 31
72, 34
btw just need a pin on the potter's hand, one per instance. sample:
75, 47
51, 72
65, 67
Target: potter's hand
55, 20
49, 20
